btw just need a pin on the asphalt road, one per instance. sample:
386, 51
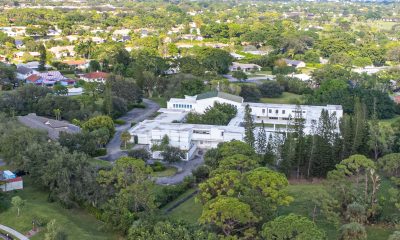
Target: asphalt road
135, 115
13, 232
185, 169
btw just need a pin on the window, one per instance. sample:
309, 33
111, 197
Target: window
190, 106
283, 111
270, 110
174, 105
304, 111
222, 134
273, 117
277, 111
263, 111
284, 118
201, 131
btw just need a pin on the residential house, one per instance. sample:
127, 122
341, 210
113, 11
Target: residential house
295, 63
50, 78
34, 79
303, 77
14, 31
19, 43
34, 65
77, 64
192, 37
237, 56
95, 77
63, 51
121, 35
24, 72
9, 181
20, 55
98, 40
245, 67
53, 127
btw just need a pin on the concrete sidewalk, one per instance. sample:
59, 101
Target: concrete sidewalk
13, 232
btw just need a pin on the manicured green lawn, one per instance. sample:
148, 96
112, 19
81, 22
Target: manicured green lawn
189, 211
77, 223
99, 162
286, 98
169, 171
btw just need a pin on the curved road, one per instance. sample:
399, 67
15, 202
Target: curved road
13, 233
135, 115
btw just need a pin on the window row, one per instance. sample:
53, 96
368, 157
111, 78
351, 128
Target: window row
186, 106
282, 111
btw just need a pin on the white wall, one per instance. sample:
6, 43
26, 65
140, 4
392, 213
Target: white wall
12, 186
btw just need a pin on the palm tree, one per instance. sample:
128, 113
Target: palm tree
85, 48
125, 137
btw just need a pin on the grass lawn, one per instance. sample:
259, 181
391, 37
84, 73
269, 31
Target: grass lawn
389, 121
71, 75
76, 222
160, 100
169, 171
188, 211
99, 162
286, 98
302, 205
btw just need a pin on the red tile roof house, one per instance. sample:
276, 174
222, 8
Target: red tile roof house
34, 79
95, 77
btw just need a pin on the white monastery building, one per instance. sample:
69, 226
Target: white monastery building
190, 137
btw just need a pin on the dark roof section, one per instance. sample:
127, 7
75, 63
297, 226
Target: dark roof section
223, 95
53, 127
23, 70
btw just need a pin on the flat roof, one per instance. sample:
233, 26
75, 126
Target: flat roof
149, 125
305, 107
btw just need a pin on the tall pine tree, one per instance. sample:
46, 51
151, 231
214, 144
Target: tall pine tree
261, 139
249, 137
43, 58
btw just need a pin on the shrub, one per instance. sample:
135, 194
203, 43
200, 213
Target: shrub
140, 154
201, 173
271, 89
100, 152
119, 121
158, 166
172, 154
171, 192
352, 231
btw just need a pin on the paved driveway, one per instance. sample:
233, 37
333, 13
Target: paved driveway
184, 169
135, 115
